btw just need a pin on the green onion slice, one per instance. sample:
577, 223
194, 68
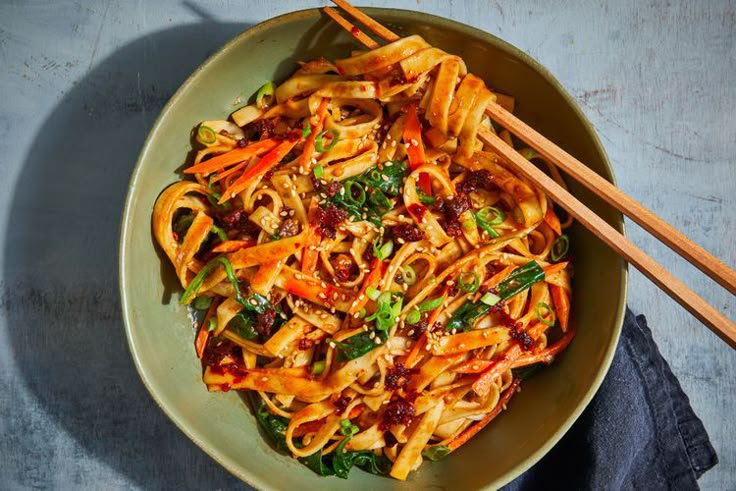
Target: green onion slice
319, 171
307, 130
413, 317
491, 215
220, 233
429, 305
347, 428
372, 293
211, 324
206, 135
468, 281
319, 143
354, 193
559, 248
202, 302
410, 276
384, 251
264, 97
490, 299
541, 316
318, 367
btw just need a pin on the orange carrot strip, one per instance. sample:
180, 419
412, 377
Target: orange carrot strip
547, 354
412, 136
313, 238
470, 432
309, 147
475, 365
372, 279
233, 245
232, 170
203, 334
413, 355
267, 162
551, 219
232, 157
553, 269
561, 300
483, 383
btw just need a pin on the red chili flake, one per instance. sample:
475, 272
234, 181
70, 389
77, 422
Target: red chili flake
454, 208
477, 179
305, 344
343, 266
329, 218
407, 232
398, 376
522, 337
355, 31
341, 403
417, 210
333, 188
398, 411
412, 395
264, 322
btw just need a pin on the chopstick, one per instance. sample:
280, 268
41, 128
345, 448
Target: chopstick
720, 272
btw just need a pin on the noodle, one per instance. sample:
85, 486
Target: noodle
373, 277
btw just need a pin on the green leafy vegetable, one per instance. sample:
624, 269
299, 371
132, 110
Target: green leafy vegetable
202, 302
356, 346
243, 325
272, 425
523, 373
181, 224
343, 462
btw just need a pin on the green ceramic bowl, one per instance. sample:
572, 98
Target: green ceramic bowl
160, 333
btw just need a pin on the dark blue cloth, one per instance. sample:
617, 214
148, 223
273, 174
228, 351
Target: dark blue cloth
639, 432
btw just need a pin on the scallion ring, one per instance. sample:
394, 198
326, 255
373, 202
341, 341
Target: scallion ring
354, 193
264, 97
319, 141
413, 317
559, 248
206, 135
307, 130
429, 305
372, 293
383, 251
319, 171
491, 215
410, 276
202, 302
468, 281
490, 299
541, 317
318, 367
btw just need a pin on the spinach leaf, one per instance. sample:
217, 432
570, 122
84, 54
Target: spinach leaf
243, 325
526, 372
358, 345
272, 425
320, 465
343, 461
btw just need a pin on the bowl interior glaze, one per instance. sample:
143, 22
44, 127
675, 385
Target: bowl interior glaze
160, 333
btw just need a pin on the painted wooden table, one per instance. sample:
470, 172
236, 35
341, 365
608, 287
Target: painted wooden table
80, 85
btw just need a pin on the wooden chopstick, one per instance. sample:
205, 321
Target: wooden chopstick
352, 29
717, 322
666, 233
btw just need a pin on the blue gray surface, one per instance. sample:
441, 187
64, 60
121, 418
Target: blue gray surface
80, 85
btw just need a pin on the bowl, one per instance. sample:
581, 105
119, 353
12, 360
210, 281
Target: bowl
160, 333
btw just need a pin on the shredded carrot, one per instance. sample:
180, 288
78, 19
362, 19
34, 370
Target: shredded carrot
233, 157
471, 431
547, 354
310, 253
203, 334
483, 383
415, 147
553, 269
309, 147
494, 280
233, 245
474, 365
413, 356
561, 300
267, 162
550, 218
372, 279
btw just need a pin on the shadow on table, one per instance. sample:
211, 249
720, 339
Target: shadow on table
62, 301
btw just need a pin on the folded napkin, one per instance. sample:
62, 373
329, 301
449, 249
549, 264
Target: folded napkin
639, 432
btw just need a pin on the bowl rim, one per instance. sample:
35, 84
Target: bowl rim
235, 468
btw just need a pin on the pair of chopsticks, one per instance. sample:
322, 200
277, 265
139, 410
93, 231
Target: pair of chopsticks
675, 240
